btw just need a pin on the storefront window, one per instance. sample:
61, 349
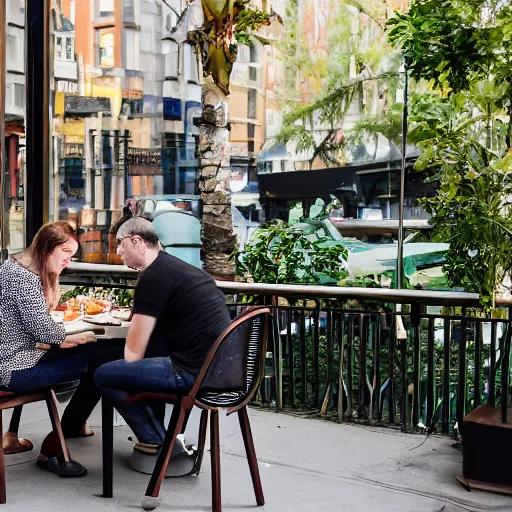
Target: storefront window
123, 119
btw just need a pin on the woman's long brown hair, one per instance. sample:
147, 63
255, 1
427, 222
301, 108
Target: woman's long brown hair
46, 240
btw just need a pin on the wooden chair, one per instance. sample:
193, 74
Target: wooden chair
9, 400
228, 380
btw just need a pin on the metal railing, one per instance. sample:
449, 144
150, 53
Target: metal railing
399, 357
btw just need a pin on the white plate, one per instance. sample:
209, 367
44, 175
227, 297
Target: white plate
121, 314
102, 319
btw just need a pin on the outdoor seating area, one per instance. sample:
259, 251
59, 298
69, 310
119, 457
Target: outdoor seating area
304, 464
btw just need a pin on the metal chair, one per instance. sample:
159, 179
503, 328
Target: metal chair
9, 400
228, 380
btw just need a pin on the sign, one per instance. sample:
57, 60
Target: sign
145, 157
70, 150
67, 87
85, 105
132, 95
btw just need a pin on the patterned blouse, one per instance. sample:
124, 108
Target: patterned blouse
24, 320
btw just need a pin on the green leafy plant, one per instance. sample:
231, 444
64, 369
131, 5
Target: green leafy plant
299, 253
119, 297
464, 128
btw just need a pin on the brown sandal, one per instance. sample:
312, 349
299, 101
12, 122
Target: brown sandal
13, 444
148, 448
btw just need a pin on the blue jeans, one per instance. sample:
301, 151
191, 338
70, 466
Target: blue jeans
119, 379
48, 372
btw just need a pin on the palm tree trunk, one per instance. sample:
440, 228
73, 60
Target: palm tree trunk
214, 163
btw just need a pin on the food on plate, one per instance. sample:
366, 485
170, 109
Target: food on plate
71, 304
71, 315
81, 304
92, 307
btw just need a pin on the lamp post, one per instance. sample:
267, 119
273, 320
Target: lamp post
400, 252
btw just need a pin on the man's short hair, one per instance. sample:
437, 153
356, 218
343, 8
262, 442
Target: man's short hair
137, 226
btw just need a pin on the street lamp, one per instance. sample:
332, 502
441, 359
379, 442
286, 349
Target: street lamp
400, 253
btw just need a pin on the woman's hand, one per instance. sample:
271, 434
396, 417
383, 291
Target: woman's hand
73, 340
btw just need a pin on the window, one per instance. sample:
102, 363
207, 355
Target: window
58, 48
128, 11
106, 48
253, 175
253, 54
131, 106
131, 49
104, 8
65, 48
19, 95
250, 131
72, 183
253, 59
70, 50
170, 51
190, 64
251, 104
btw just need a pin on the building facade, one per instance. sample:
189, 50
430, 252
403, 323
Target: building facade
125, 96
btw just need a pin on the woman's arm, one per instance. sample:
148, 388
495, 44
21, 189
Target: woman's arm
29, 300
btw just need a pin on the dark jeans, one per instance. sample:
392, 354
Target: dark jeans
119, 379
86, 396
49, 372
64, 365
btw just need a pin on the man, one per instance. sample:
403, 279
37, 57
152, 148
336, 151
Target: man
178, 312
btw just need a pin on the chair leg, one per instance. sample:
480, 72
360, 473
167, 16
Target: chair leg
3, 495
107, 443
245, 427
155, 482
201, 442
215, 457
53, 411
14, 425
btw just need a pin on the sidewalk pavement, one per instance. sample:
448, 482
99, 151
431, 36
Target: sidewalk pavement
305, 465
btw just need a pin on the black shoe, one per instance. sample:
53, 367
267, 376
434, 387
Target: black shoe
62, 468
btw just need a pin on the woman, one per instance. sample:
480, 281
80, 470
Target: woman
29, 290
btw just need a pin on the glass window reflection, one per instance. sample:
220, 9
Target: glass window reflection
124, 101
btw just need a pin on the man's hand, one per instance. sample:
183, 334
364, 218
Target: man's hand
73, 340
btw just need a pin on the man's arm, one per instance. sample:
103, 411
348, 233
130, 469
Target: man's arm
137, 340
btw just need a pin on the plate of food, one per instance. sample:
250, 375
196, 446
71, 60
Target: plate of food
96, 306
104, 318
72, 316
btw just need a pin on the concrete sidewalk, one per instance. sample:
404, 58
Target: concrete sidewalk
305, 465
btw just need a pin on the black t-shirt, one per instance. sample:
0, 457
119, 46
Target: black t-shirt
190, 310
